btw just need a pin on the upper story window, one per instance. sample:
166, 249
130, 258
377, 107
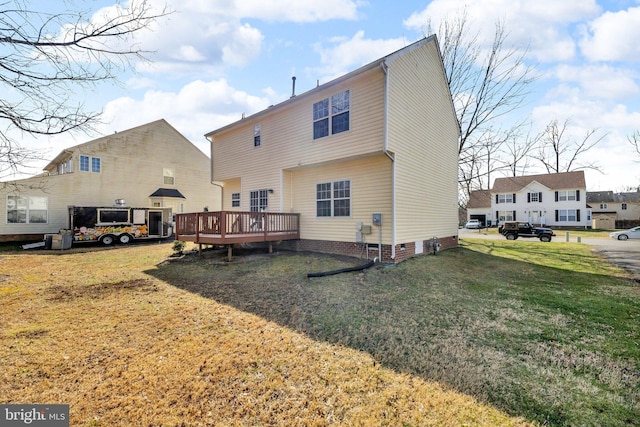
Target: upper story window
624, 206
90, 164
168, 176
256, 135
532, 197
338, 115
567, 195
505, 198
235, 200
333, 198
27, 210
603, 206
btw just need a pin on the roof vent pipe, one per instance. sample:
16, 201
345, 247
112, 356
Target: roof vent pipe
293, 89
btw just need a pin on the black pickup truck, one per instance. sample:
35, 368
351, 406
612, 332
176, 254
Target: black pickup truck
514, 229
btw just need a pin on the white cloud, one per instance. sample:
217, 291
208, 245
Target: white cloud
347, 54
215, 34
300, 11
600, 81
198, 108
614, 36
543, 27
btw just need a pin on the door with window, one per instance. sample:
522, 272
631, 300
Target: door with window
259, 200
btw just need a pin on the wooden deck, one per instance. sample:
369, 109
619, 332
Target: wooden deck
230, 227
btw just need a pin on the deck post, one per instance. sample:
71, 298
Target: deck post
270, 247
229, 252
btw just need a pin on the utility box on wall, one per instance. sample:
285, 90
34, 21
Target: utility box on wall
376, 218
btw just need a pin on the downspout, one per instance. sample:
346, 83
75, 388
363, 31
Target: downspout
212, 181
389, 154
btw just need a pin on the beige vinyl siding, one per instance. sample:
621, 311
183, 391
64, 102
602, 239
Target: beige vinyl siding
287, 134
232, 186
132, 165
423, 135
370, 192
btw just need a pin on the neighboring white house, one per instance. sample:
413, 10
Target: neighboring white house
152, 165
558, 200
479, 207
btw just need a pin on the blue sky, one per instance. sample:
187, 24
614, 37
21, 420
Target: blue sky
218, 59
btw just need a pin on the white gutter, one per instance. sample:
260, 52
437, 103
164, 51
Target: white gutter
385, 149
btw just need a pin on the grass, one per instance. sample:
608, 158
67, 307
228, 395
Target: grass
491, 333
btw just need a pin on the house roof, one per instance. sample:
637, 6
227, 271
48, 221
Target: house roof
479, 199
611, 197
167, 192
68, 152
553, 181
295, 98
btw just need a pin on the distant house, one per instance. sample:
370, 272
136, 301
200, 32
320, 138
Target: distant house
152, 165
368, 160
479, 207
557, 199
608, 207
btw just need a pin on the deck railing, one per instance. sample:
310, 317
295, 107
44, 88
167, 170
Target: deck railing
227, 227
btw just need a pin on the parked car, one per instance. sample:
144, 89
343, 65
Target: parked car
473, 223
632, 233
514, 229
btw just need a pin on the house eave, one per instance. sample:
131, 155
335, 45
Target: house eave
368, 67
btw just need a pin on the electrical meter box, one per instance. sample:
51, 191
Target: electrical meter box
376, 219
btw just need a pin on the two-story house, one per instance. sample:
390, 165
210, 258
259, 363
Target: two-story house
152, 165
368, 160
609, 207
556, 200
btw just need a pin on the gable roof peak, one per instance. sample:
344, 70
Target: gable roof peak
553, 181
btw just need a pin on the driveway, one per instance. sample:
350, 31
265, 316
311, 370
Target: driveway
625, 254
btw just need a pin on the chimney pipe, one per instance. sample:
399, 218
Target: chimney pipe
293, 90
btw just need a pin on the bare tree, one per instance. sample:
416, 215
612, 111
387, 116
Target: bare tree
48, 58
486, 85
561, 152
517, 150
634, 139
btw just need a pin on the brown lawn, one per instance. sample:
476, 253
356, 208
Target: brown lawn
99, 330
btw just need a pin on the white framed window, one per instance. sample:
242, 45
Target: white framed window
533, 197
505, 198
567, 215
603, 206
333, 198
168, 176
566, 195
90, 164
624, 207
321, 119
27, 210
235, 200
339, 115
340, 103
505, 216
257, 130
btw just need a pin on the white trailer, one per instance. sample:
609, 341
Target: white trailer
110, 224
